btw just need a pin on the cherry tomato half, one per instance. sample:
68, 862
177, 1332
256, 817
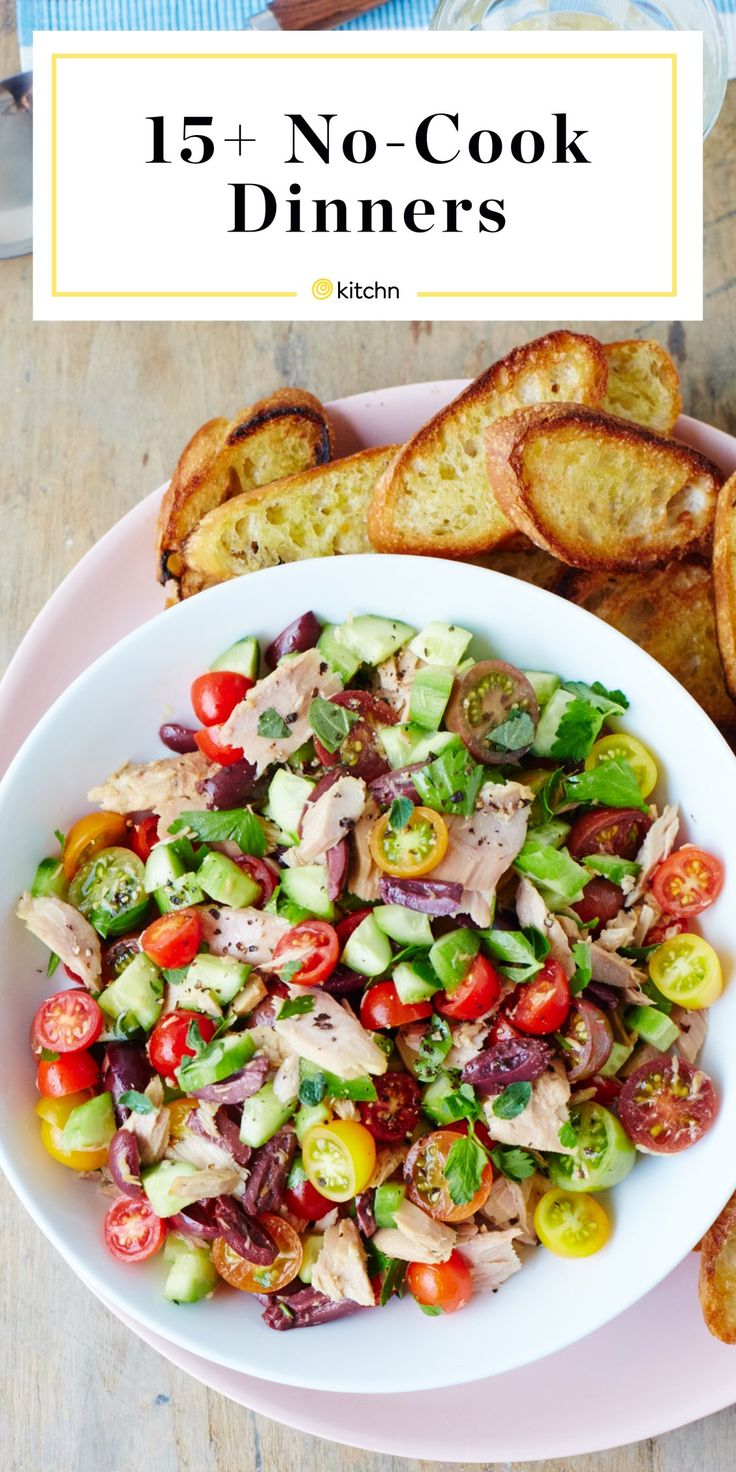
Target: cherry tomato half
447, 1286
264, 875
667, 1105
686, 969
588, 1040
173, 940
225, 756
339, 1158
482, 700
360, 751
250, 1277
382, 1007
67, 1074
544, 1002
66, 1022
427, 1185
413, 850
688, 882
394, 1114
348, 924
54, 1114
571, 1224
167, 1045
87, 836
619, 831
664, 928
143, 837
313, 947
215, 695
133, 1232
475, 995
302, 1198
620, 744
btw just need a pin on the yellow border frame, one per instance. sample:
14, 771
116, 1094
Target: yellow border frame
58, 56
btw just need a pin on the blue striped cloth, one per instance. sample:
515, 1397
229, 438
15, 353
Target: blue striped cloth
226, 15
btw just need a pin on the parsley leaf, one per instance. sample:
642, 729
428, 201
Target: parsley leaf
655, 995
400, 813
54, 961
520, 954
175, 975
553, 871
330, 723
583, 968
433, 1049
613, 784
47, 1056
288, 971
462, 1103
567, 1135
194, 1041
60, 837
611, 866
464, 1167
577, 731
272, 725
139, 1103
295, 1006
515, 732
610, 702
318, 1083
512, 1101
451, 783
238, 825
517, 1164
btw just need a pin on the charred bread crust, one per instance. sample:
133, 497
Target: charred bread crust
724, 579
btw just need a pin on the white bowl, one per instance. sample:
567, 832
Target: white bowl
110, 715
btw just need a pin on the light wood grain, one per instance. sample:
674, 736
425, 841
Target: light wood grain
93, 417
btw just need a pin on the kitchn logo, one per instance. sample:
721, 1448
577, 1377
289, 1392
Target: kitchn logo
370, 291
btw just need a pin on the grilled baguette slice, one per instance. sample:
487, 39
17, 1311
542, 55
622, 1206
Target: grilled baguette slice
724, 579
717, 1278
670, 612
435, 498
601, 492
316, 514
526, 562
281, 435
643, 384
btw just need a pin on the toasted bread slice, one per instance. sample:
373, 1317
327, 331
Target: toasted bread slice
600, 492
316, 514
435, 497
279, 436
670, 612
724, 579
527, 562
717, 1277
643, 384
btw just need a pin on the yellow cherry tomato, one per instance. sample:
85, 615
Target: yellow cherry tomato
621, 744
178, 1111
412, 850
54, 1114
687, 971
339, 1158
86, 837
571, 1224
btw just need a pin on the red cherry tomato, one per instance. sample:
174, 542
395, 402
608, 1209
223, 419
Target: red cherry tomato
215, 695
133, 1232
67, 1074
461, 1127
167, 1045
313, 944
143, 836
66, 1023
544, 1002
619, 831
302, 1198
446, 1286
224, 755
262, 872
601, 901
173, 940
607, 1090
664, 928
382, 1007
475, 995
359, 751
688, 882
667, 1105
73, 975
348, 924
502, 1028
393, 1115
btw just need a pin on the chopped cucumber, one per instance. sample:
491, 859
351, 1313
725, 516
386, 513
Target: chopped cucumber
434, 1096
368, 950
307, 1117
91, 1125
191, 1273
372, 638
430, 691
412, 986
452, 955
179, 894
386, 1203
218, 1060
50, 879
340, 659
619, 1054
441, 644
311, 1248
307, 886
162, 866
222, 975
408, 743
653, 1027
544, 685
158, 1180
242, 658
263, 1116
222, 879
138, 990
408, 927
551, 719
287, 795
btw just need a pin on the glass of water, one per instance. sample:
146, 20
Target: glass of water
16, 165
603, 15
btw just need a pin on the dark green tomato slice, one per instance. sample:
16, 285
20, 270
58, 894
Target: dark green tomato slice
110, 891
483, 700
602, 1156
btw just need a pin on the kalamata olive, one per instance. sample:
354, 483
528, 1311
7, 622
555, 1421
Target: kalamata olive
342, 982
118, 955
396, 784
364, 1214
124, 1163
431, 896
269, 1170
619, 831
177, 738
606, 996
514, 1061
601, 902
196, 1220
233, 786
227, 1124
305, 1308
125, 1066
491, 694
297, 637
239, 1086
588, 1040
246, 1236
338, 863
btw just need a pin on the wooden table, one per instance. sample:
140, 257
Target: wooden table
94, 416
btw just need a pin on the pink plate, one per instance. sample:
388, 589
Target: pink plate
484, 1421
